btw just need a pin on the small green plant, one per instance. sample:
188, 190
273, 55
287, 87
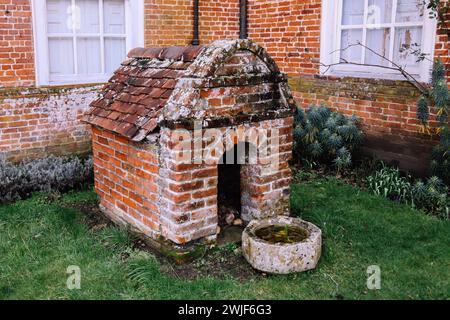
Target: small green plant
440, 157
432, 197
389, 183
324, 136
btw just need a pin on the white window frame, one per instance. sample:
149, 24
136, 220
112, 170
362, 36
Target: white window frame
331, 41
134, 32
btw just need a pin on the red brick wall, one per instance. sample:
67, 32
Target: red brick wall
189, 199
170, 22
167, 22
38, 122
35, 122
218, 20
148, 186
16, 44
289, 30
126, 180
442, 47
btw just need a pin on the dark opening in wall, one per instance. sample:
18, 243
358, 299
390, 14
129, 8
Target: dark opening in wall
229, 188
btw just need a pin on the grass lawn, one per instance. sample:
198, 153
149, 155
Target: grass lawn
39, 240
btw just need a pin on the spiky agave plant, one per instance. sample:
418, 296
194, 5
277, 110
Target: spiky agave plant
324, 136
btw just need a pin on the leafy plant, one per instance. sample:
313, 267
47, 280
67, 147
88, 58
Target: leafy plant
439, 98
51, 174
432, 197
322, 135
11, 180
389, 183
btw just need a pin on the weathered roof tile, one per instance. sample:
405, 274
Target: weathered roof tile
133, 100
139, 88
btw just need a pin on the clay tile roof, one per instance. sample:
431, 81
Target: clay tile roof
132, 102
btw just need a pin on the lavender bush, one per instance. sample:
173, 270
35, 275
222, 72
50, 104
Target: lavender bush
51, 174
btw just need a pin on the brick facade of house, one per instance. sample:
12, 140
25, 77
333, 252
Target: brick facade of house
16, 44
35, 121
288, 29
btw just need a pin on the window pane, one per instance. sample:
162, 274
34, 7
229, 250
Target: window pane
378, 40
89, 16
349, 37
58, 19
406, 42
115, 53
61, 56
410, 10
353, 12
88, 55
380, 11
114, 16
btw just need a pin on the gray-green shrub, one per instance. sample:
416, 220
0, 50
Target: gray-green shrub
51, 174
324, 136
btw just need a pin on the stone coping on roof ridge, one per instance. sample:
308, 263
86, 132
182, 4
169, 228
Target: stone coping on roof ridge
204, 58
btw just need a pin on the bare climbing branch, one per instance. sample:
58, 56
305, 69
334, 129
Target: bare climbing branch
391, 66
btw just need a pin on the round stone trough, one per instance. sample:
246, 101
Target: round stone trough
282, 257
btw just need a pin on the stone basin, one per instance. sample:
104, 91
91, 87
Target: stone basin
282, 257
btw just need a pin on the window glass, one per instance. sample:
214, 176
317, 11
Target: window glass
379, 11
114, 13
61, 56
407, 41
374, 29
353, 12
349, 38
410, 10
114, 53
79, 44
378, 41
58, 16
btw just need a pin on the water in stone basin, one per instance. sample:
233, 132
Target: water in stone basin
282, 234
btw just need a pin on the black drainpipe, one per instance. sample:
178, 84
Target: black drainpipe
196, 40
243, 31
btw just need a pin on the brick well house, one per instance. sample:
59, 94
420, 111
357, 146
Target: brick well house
156, 170
55, 53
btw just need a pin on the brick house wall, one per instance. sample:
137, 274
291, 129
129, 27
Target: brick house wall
289, 29
35, 121
170, 23
16, 44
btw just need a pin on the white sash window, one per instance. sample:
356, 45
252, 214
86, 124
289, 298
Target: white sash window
399, 30
84, 41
